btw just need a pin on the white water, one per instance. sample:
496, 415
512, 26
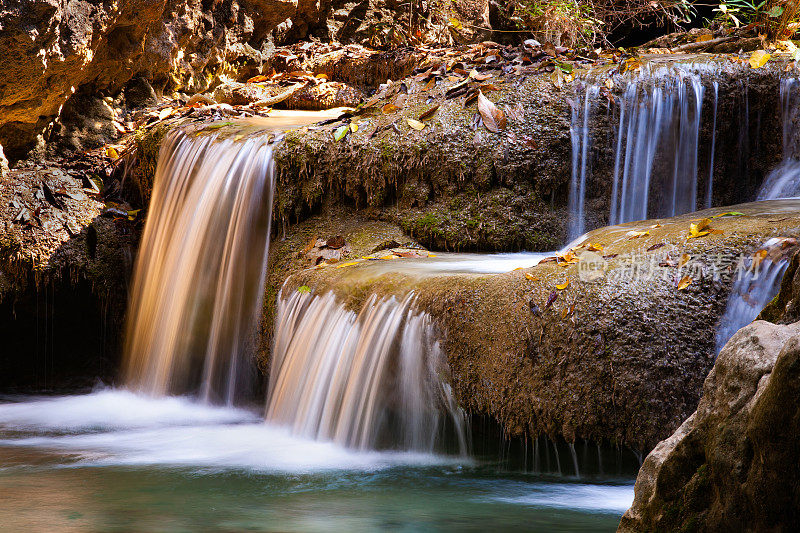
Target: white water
579, 133
196, 289
118, 427
756, 285
655, 150
784, 180
363, 380
710, 188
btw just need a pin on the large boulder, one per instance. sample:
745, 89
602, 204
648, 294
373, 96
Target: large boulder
732, 465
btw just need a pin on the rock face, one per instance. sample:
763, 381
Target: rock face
732, 465
53, 49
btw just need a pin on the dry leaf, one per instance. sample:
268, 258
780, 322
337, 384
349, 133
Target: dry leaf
609, 83
494, 119
594, 247
429, 113
390, 108
353, 127
684, 282
550, 299
416, 124
165, 113
685, 258
563, 285
758, 257
703, 38
112, 152
257, 79
428, 86
636, 234
699, 226
758, 59
531, 277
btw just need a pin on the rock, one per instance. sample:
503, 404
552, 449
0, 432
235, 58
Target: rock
621, 358
54, 49
3, 163
335, 242
139, 93
732, 465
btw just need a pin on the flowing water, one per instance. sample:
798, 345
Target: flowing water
784, 180
758, 281
115, 460
360, 430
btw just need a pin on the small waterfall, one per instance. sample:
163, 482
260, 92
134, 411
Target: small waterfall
196, 293
579, 133
655, 161
365, 380
784, 180
759, 279
710, 188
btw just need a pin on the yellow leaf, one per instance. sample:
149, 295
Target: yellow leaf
165, 113
758, 257
759, 59
699, 226
349, 263
563, 285
636, 234
321, 76
594, 247
455, 23
716, 232
353, 127
112, 152
431, 255
531, 277
609, 83
684, 259
703, 38
390, 108
416, 124
684, 282
698, 234
390, 256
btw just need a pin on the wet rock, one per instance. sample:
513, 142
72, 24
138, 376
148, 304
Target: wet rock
335, 242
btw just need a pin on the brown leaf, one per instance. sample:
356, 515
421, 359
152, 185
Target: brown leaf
390, 108
493, 118
684, 282
655, 247
550, 299
429, 113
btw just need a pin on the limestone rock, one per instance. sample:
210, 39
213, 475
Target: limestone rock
732, 465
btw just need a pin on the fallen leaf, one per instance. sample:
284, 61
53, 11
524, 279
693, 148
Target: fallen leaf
729, 214
685, 258
112, 153
703, 38
304, 289
429, 113
550, 299
416, 124
341, 132
655, 247
698, 234
758, 257
609, 83
563, 285
758, 59
684, 282
478, 77
531, 277
455, 23
431, 83
353, 127
390, 108
349, 263
493, 118
633, 234
699, 226
164, 113
594, 247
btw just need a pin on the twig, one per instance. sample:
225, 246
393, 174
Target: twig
703, 44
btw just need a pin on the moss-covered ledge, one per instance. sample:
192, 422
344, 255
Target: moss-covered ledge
621, 360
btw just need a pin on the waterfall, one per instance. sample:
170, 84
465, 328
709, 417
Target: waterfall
655, 161
655, 149
364, 380
197, 285
710, 188
579, 133
784, 180
759, 279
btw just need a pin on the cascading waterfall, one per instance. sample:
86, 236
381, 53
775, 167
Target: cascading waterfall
579, 133
655, 149
784, 180
710, 188
659, 121
365, 380
196, 293
758, 281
